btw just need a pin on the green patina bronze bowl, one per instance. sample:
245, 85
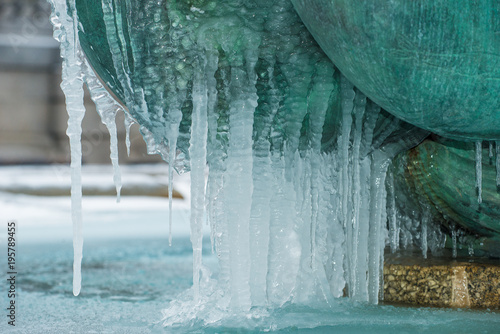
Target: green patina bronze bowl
434, 64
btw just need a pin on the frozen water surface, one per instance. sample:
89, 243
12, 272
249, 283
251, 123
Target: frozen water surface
130, 274
126, 284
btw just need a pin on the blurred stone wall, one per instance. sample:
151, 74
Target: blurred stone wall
32, 109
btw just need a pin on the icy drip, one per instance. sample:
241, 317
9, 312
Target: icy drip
358, 237
107, 108
479, 172
128, 122
347, 98
72, 86
454, 240
425, 222
198, 153
261, 197
239, 185
284, 246
214, 183
175, 117
171, 147
392, 215
320, 94
376, 224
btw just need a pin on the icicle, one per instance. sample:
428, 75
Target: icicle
128, 122
214, 160
319, 95
238, 178
479, 171
377, 223
372, 114
471, 248
347, 97
215, 197
425, 222
490, 150
260, 214
175, 117
284, 245
72, 86
336, 259
117, 178
259, 222
454, 241
170, 193
359, 110
198, 155
393, 223
107, 108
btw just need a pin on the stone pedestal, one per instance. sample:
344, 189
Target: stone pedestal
455, 284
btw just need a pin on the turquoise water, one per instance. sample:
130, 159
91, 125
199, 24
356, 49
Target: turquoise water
127, 283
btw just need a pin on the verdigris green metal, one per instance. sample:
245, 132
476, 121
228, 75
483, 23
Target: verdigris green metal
434, 64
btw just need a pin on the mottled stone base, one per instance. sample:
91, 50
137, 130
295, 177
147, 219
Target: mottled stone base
457, 284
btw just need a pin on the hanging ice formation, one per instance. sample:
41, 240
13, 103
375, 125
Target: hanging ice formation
297, 157
479, 171
72, 86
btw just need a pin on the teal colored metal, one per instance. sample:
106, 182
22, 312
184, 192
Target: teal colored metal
434, 64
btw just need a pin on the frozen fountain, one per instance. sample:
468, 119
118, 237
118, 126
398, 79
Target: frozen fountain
304, 189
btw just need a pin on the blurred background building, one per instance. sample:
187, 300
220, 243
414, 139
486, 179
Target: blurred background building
32, 107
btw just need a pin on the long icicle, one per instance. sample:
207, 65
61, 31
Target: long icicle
175, 117
358, 111
425, 222
171, 158
107, 108
198, 154
347, 96
391, 215
240, 186
479, 172
72, 86
380, 165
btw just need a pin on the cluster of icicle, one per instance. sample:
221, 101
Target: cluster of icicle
291, 225
286, 226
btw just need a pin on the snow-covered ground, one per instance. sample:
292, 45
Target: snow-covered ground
46, 216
